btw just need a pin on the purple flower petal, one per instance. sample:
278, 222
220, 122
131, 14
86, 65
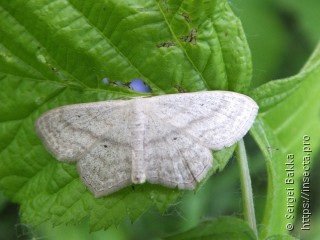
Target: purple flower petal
139, 86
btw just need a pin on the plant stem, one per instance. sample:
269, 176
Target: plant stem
248, 206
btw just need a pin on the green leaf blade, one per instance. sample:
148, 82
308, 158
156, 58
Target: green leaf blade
57, 53
221, 228
279, 132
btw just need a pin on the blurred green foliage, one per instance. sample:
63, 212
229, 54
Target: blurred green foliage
282, 34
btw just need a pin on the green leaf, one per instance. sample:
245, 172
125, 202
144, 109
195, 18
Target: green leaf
221, 228
289, 116
54, 53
